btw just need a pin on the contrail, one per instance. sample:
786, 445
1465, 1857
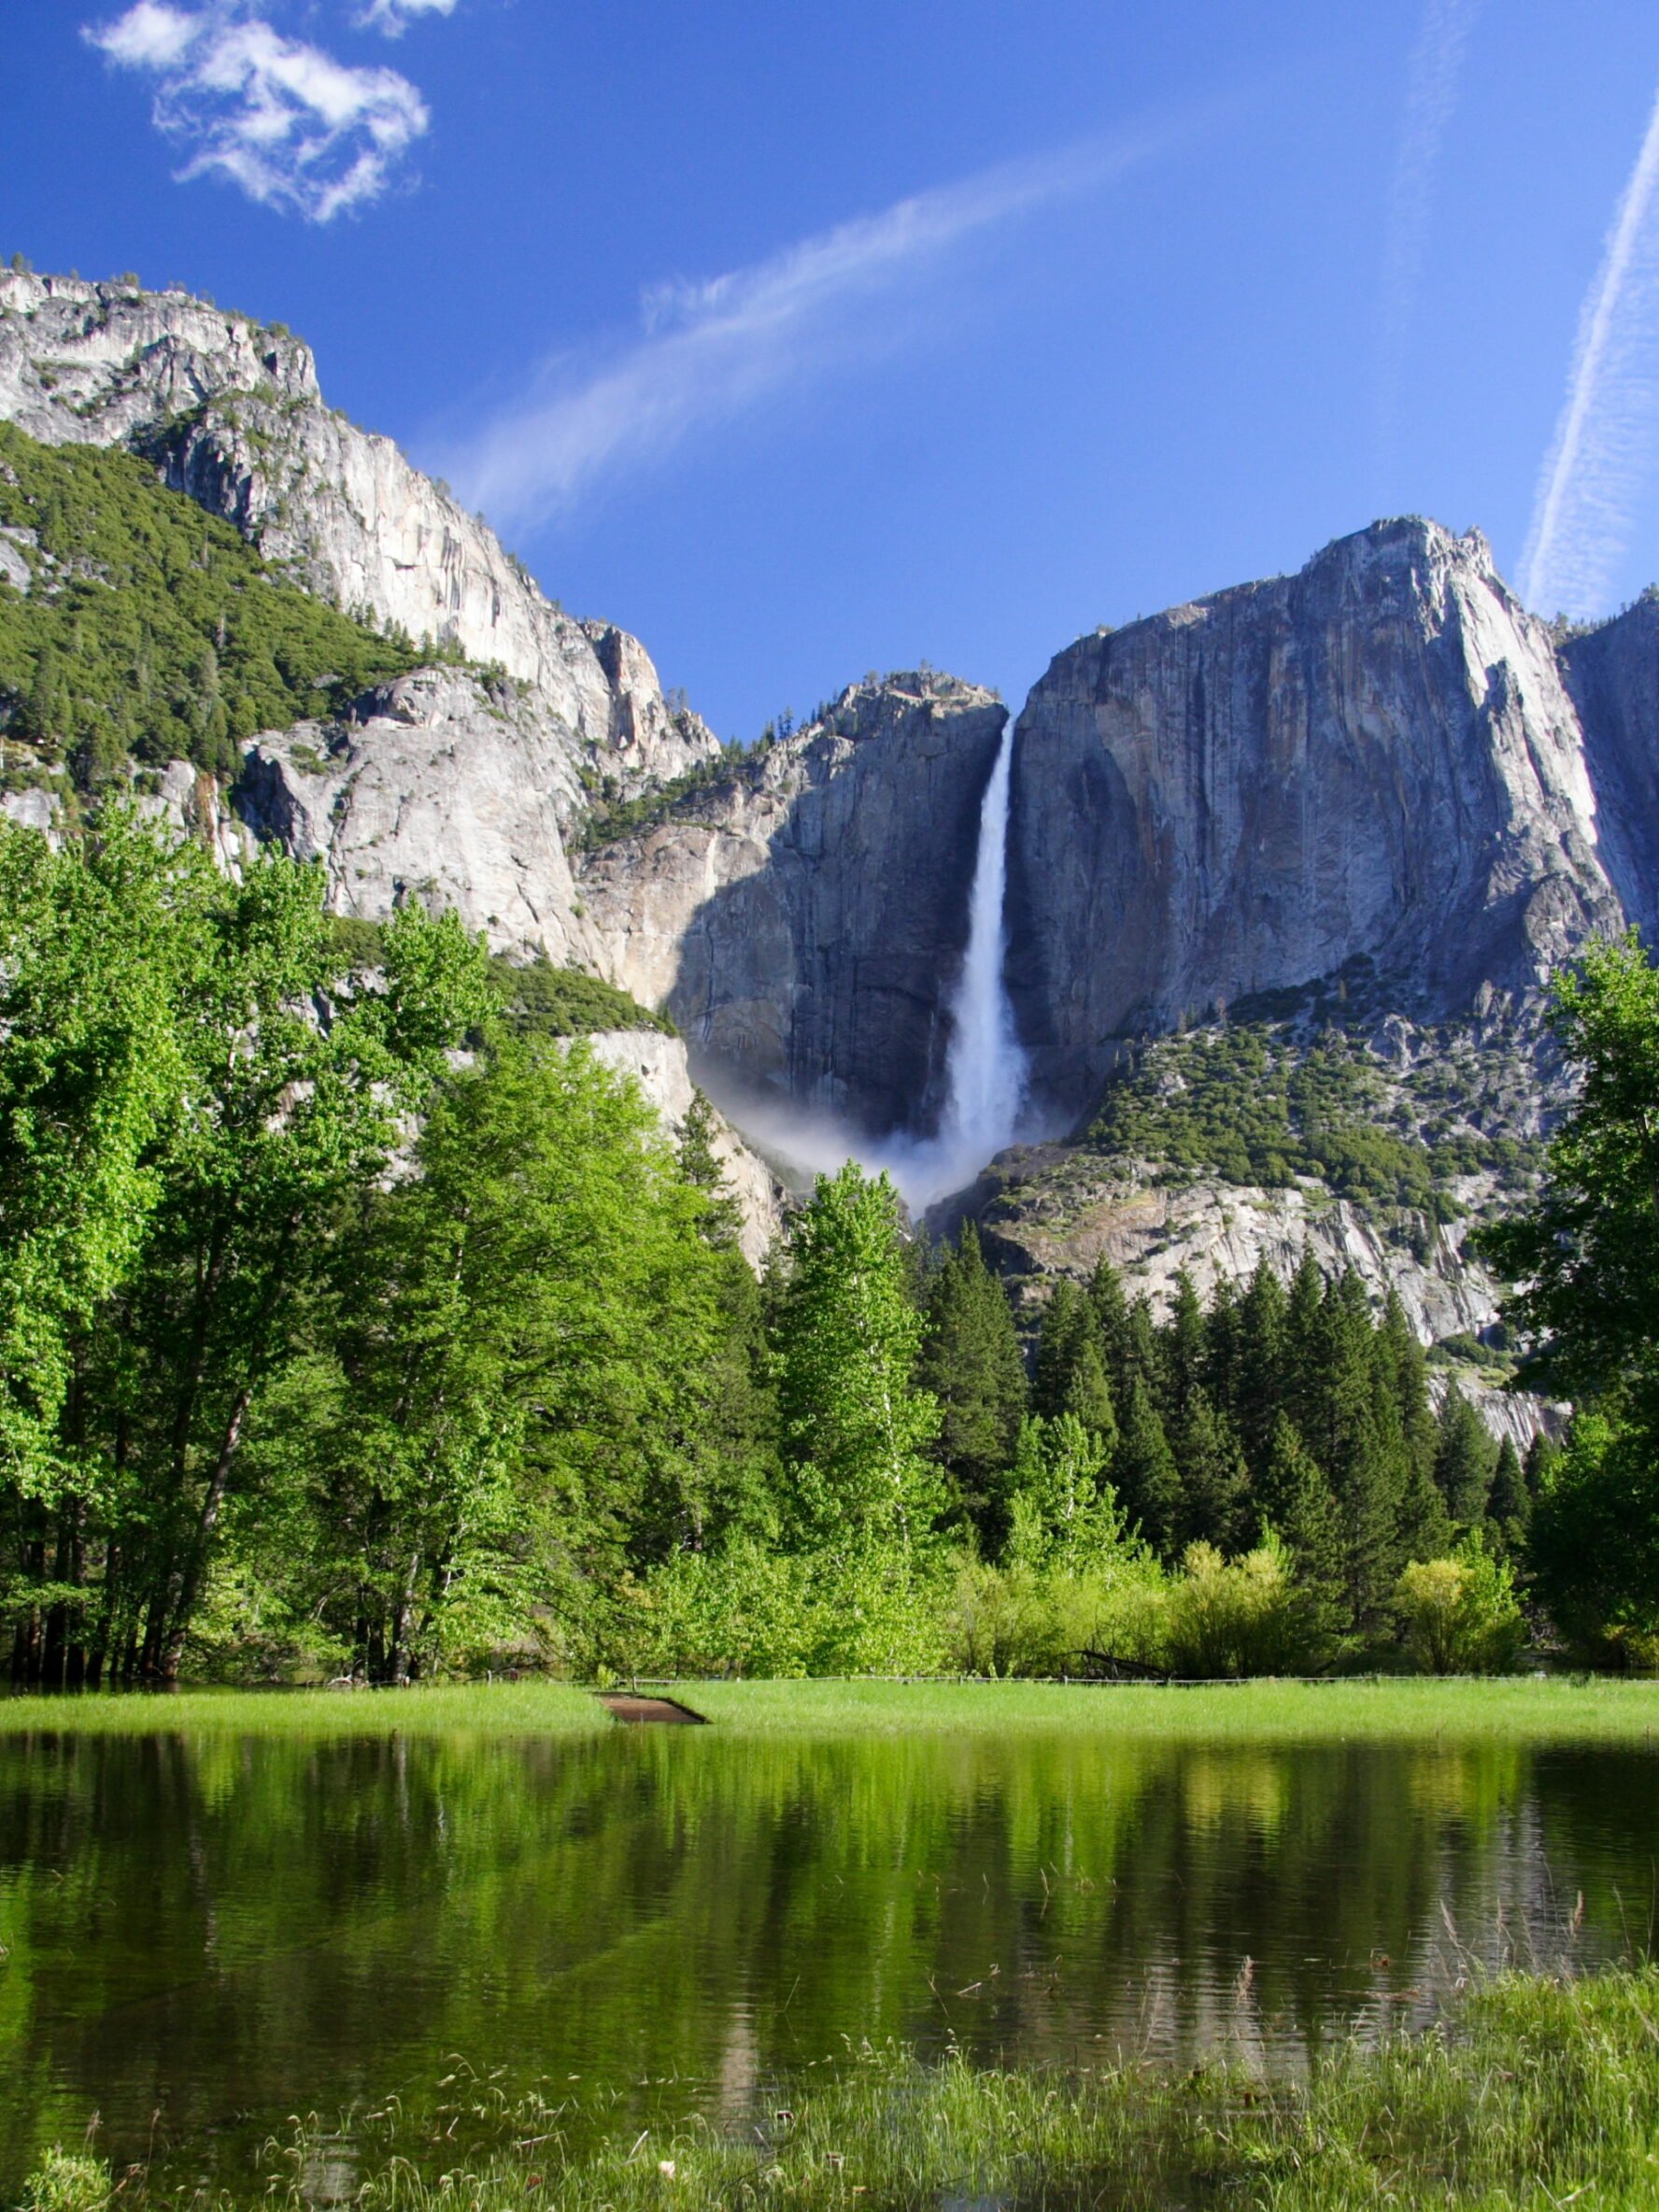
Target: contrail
1583, 510
1431, 99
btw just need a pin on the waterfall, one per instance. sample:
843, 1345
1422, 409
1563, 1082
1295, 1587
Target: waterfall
986, 1066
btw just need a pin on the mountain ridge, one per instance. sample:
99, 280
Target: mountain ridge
1376, 786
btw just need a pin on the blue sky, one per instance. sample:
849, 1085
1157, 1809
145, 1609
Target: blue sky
814, 338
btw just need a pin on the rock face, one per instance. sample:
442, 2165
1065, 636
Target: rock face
440, 789
1377, 759
231, 412
1613, 675
804, 919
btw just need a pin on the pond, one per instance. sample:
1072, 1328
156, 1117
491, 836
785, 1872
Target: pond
203, 1937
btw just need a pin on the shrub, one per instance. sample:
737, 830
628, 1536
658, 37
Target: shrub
1235, 1617
67, 2181
1459, 1615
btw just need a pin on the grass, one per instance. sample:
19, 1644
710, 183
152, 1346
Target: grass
1517, 1708
1512, 1709
488, 1709
1540, 2092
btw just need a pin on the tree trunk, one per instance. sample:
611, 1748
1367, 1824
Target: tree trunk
189, 1584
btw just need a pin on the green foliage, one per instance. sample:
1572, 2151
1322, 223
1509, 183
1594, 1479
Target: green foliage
856, 1432
151, 633
1254, 1105
970, 1363
1235, 1617
170, 1103
69, 2182
538, 1000
516, 1337
1460, 1615
610, 815
1587, 1256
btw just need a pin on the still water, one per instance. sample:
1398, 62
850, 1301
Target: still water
204, 1937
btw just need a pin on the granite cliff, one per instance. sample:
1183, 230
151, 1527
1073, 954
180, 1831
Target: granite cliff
231, 412
804, 918
1378, 760
1375, 797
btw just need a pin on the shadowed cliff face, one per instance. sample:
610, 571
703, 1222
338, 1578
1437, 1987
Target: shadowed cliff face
1377, 757
1613, 675
804, 921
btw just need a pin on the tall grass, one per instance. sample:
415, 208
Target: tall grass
1520, 1709
489, 1708
1538, 2093
1530, 1709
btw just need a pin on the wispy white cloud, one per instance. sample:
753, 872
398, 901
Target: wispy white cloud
709, 350
295, 128
394, 17
1583, 509
1431, 100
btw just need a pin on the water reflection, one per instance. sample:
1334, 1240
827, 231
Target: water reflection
203, 1937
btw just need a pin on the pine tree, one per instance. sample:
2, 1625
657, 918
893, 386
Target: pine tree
1302, 1508
1216, 1506
1509, 1507
1406, 1370
1067, 1325
1258, 1357
1183, 1349
1466, 1460
1348, 1433
1221, 1348
1110, 1306
1144, 1472
1425, 1530
1088, 1395
970, 1362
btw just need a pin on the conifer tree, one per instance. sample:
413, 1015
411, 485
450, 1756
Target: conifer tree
1216, 1505
970, 1362
1301, 1508
1258, 1388
1509, 1507
1183, 1347
1068, 1325
1425, 1530
1088, 1395
1407, 1371
1466, 1460
1111, 1306
1347, 1437
1144, 1472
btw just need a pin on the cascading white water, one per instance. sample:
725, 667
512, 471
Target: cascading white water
985, 1068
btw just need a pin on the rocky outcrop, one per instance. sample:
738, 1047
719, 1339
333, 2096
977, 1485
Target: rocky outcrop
1613, 675
658, 1064
804, 919
439, 787
1375, 759
231, 413
1053, 1209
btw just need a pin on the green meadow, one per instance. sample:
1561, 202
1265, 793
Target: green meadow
1517, 1709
